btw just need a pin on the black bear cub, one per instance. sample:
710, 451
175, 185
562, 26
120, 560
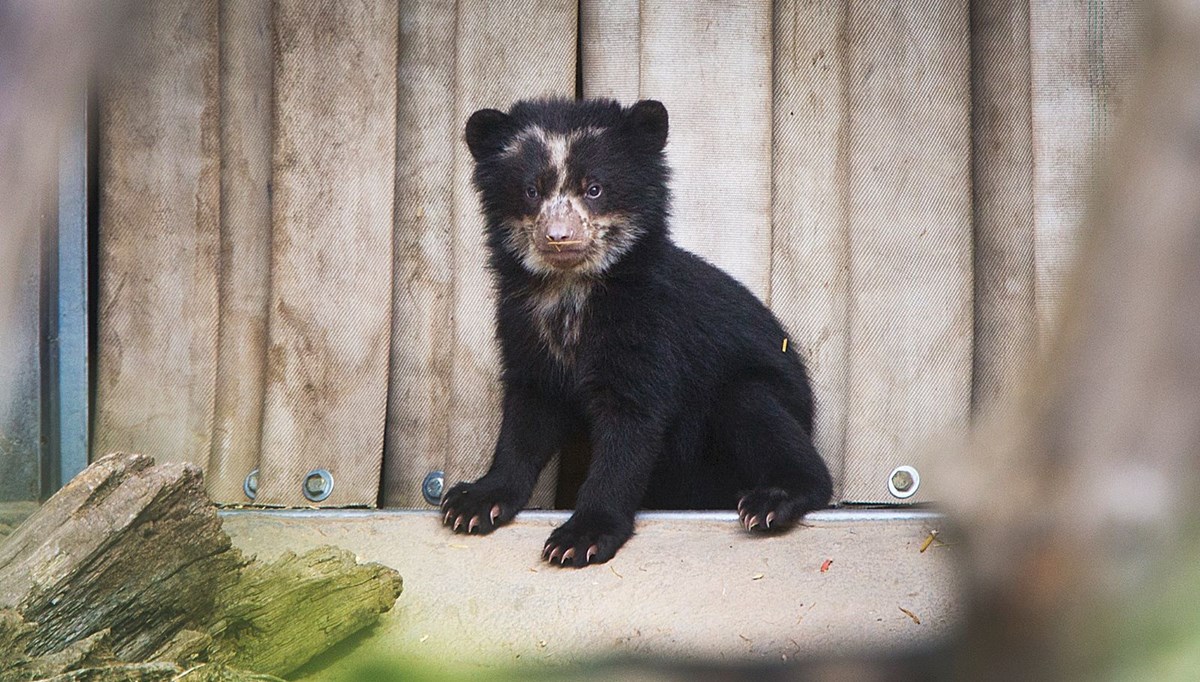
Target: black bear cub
674, 372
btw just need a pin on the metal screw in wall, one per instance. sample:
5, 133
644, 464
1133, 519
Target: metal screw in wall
903, 482
318, 484
435, 482
250, 485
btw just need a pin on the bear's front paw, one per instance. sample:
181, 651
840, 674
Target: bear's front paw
478, 508
586, 538
769, 509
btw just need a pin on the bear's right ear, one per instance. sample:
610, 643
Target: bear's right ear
487, 129
646, 121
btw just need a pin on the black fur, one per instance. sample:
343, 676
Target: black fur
677, 376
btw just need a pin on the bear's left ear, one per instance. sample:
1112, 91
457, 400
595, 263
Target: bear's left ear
647, 122
487, 129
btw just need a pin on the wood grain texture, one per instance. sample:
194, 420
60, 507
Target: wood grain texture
279, 615
246, 65
910, 236
610, 49
1002, 182
68, 567
505, 52
709, 62
419, 414
129, 564
160, 238
1083, 54
331, 254
810, 240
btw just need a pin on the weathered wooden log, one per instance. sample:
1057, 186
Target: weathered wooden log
16, 664
279, 615
126, 546
214, 672
125, 574
161, 672
133, 672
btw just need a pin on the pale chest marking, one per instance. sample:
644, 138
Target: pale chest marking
557, 310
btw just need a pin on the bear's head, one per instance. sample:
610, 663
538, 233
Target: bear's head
571, 186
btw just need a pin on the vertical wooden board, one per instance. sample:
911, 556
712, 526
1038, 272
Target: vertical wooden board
159, 238
505, 51
331, 258
709, 61
1083, 54
810, 244
422, 325
610, 49
20, 385
246, 57
1002, 173
910, 235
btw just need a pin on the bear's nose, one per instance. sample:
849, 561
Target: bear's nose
558, 231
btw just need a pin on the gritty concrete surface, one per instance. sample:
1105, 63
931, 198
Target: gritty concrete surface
688, 584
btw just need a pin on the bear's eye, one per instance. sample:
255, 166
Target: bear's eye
531, 192
594, 191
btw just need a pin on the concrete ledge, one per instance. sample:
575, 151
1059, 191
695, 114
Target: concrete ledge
689, 584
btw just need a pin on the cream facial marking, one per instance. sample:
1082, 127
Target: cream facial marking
606, 238
598, 240
557, 145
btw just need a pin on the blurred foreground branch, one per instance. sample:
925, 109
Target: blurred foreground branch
1080, 506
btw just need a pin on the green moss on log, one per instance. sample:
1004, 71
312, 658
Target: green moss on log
126, 574
280, 615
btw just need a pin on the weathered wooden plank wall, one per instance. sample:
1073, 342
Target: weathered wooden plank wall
610, 49
908, 189
810, 245
1083, 55
246, 96
454, 59
333, 168
419, 415
290, 244
160, 239
877, 238
719, 147
1002, 170
504, 51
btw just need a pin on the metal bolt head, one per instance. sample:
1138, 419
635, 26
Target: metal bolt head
904, 481
318, 484
250, 484
433, 486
